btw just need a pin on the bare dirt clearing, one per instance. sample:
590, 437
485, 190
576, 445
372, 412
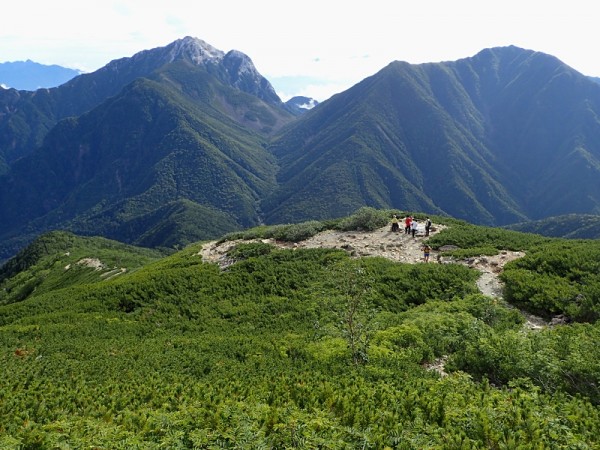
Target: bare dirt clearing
398, 247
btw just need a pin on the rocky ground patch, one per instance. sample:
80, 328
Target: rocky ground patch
396, 246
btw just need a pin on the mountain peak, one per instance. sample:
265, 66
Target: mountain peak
300, 104
193, 49
516, 56
239, 68
233, 67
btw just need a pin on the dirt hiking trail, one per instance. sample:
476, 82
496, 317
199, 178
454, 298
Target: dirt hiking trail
396, 246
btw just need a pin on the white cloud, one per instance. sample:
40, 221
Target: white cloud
325, 40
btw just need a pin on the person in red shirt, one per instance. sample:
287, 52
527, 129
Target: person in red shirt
407, 223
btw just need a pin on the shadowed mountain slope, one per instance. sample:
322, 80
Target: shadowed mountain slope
507, 135
180, 135
569, 226
186, 142
27, 116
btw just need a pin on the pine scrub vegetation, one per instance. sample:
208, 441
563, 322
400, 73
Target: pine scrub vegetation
300, 348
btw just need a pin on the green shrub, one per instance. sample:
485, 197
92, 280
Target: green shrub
297, 232
472, 251
405, 340
251, 233
467, 236
559, 277
249, 250
365, 219
284, 232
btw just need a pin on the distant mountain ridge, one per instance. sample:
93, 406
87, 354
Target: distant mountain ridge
300, 104
30, 76
568, 226
194, 140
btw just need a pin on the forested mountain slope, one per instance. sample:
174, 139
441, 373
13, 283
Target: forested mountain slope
186, 142
179, 136
28, 116
504, 136
570, 226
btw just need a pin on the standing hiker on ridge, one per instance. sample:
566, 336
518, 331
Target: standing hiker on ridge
395, 225
407, 222
427, 226
426, 251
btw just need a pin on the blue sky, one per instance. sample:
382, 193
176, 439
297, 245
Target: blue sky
312, 48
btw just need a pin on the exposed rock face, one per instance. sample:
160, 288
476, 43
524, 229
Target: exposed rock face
233, 67
242, 74
193, 49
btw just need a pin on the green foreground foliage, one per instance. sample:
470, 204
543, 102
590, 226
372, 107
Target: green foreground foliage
305, 349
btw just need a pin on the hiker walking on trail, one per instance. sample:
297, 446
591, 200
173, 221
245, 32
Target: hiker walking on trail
395, 225
426, 251
427, 226
407, 222
413, 227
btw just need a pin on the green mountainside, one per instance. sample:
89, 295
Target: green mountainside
60, 259
502, 137
159, 141
299, 348
569, 226
28, 116
187, 132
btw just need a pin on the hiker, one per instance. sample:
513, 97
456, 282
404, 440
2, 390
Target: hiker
426, 251
427, 226
413, 227
395, 226
407, 222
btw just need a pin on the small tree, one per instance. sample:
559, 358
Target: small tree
355, 313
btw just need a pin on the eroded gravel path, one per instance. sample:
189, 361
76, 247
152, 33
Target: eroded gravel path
398, 247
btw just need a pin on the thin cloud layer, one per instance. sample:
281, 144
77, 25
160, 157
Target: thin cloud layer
335, 47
